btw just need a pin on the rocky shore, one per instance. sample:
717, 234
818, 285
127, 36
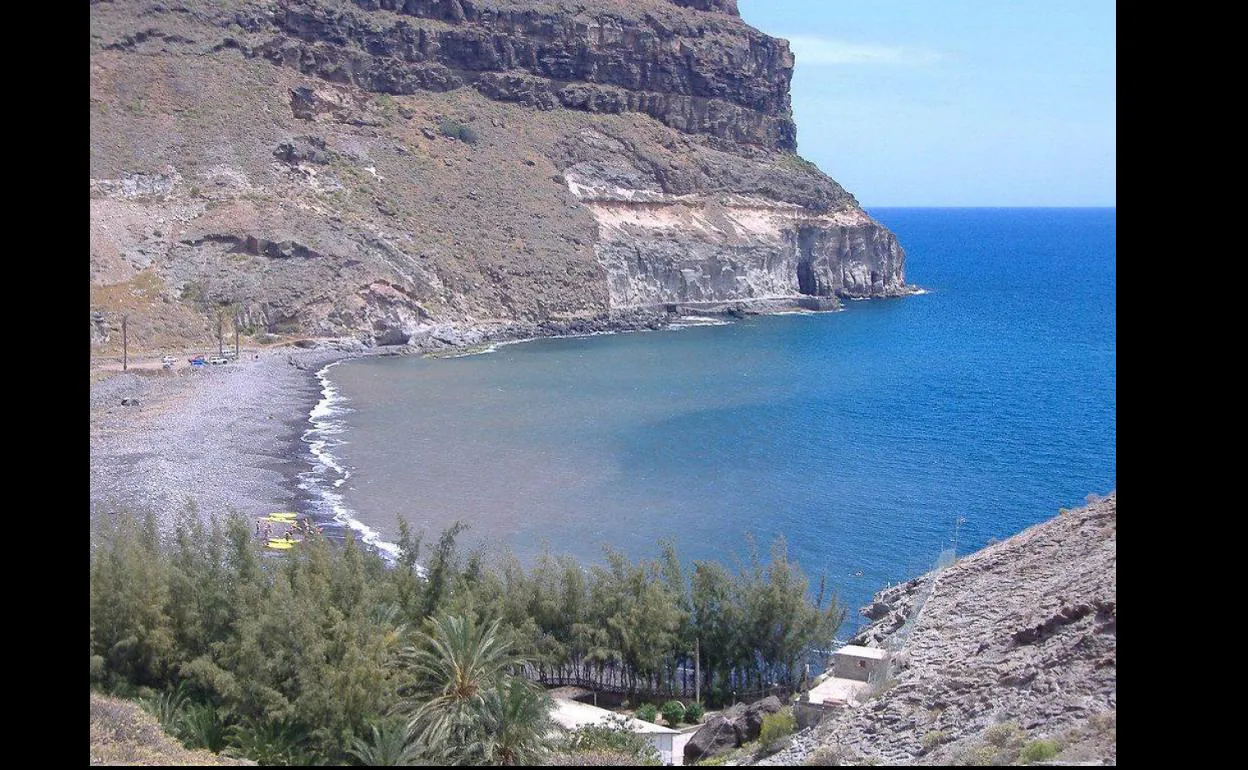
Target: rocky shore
1010, 646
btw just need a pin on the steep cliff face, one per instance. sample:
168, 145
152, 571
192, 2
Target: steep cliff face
699, 73
384, 168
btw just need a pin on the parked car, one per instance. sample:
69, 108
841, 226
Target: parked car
217, 360
197, 361
168, 360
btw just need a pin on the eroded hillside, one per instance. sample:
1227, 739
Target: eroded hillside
393, 170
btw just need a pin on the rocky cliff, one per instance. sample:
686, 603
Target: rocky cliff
395, 170
994, 657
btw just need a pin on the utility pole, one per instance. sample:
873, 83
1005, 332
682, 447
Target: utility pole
220, 328
697, 671
124, 343
236, 323
956, 524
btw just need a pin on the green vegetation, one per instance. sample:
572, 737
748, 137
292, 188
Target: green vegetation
934, 738
386, 105
720, 759
1006, 735
122, 733
776, 727
1002, 745
673, 712
326, 654
694, 712
608, 741
796, 162
456, 130
647, 712
1039, 751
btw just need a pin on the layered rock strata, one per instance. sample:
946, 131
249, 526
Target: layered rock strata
383, 168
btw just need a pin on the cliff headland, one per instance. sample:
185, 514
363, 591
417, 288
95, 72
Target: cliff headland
408, 171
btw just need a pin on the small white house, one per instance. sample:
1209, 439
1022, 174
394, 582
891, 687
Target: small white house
573, 715
849, 678
861, 663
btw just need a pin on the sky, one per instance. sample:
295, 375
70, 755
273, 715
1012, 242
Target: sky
954, 102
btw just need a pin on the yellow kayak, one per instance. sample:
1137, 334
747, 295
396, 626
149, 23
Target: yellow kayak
279, 518
281, 543
285, 516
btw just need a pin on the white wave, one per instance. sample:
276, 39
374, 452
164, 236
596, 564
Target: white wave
698, 320
801, 311
492, 347
328, 475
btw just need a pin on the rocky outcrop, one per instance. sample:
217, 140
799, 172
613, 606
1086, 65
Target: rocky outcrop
378, 168
705, 73
1014, 643
737, 725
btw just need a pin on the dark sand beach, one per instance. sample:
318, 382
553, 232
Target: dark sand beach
223, 437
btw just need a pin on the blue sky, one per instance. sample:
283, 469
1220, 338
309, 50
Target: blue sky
954, 102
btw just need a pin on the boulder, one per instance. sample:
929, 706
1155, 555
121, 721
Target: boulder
751, 722
715, 737
735, 726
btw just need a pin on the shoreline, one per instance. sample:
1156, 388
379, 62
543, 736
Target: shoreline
233, 437
227, 438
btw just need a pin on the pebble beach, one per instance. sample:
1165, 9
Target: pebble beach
223, 438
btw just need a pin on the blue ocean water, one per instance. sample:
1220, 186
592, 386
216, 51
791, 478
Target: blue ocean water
870, 439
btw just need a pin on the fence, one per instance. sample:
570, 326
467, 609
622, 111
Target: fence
617, 682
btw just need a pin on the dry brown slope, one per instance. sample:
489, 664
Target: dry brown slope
383, 170
124, 734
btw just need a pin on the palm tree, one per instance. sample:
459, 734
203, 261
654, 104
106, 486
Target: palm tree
517, 723
469, 703
390, 746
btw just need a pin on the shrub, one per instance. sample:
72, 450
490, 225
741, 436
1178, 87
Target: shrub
167, 707
1038, 751
610, 739
647, 712
694, 712
980, 755
268, 743
456, 130
933, 739
776, 726
673, 712
1006, 735
1001, 746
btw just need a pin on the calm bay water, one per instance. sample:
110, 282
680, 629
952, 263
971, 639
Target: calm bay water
860, 436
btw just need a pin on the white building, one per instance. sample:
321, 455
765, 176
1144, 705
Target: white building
573, 715
865, 664
853, 672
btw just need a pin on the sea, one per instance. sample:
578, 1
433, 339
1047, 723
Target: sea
871, 442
